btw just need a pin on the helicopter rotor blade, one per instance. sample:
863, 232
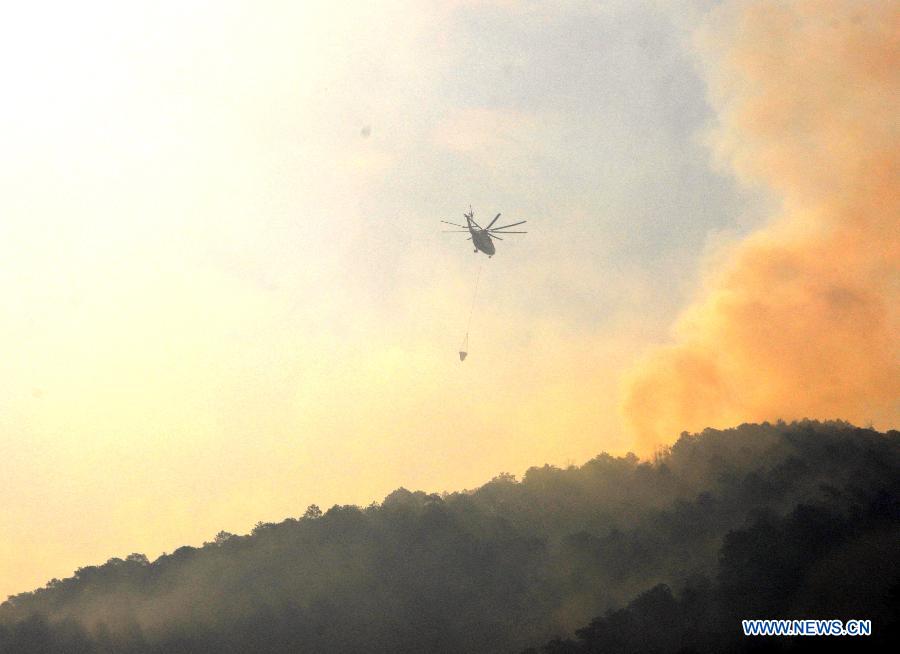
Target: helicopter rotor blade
496, 237
493, 221
493, 233
512, 225
447, 222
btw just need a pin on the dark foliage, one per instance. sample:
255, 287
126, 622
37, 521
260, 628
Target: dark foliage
797, 520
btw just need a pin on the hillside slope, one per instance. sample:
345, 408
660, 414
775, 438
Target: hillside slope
775, 520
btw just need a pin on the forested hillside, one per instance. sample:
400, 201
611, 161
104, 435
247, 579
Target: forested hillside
617, 555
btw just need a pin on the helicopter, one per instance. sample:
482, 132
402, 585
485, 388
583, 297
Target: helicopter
482, 237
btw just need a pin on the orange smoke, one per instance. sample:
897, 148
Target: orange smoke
802, 318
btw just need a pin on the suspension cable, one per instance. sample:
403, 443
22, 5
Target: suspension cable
472, 310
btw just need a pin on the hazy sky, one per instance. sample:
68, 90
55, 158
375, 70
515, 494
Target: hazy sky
226, 292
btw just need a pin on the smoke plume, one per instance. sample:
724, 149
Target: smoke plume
800, 319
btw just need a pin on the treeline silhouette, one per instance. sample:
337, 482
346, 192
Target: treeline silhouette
618, 555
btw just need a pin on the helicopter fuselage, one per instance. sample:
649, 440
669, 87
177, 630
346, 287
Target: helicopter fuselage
482, 241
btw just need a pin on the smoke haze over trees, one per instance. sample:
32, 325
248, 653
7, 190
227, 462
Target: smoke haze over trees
792, 521
799, 318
